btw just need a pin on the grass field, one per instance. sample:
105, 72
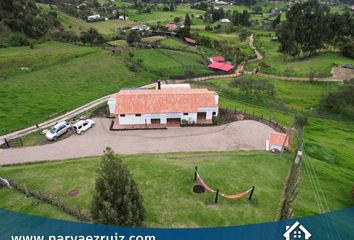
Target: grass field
232, 39
166, 63
274, 62
15, 201
166, 182
328, 141
162, 16
60, 78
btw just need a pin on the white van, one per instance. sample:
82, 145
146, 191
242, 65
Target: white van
81, 126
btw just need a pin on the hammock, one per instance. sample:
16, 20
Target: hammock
204, 184
236, 196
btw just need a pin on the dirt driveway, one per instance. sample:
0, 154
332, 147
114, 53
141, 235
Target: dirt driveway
241, 135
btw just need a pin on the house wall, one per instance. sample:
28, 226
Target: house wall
112, 106
146, 118
276, 147
209, 112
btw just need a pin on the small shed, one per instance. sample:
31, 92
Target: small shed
277, 142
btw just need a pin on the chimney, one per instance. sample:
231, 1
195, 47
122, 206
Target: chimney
158, 84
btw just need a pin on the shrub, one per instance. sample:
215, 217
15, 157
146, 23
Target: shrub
16, 40
116, 200
348, 49
216, 120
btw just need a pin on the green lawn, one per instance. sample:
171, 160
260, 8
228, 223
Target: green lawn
15, 201
328, 141
274, 62
166, 182
162, 16
61, 77
166, 63
232, 39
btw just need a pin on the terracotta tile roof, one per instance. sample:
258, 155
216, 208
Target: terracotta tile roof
217, 59
276, 138
171, 26
189, 40
169, 100
221, 66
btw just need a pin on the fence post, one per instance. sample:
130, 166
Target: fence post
262, 117
7, 143
60, 204
217, 195
195, 173
40, 196
79, 211
21, 142
26, 191
250, 197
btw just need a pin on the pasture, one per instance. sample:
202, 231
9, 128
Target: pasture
58, 77
328, 139
275, 63
166, 63
166, 181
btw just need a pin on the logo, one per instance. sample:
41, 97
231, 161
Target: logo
296, 231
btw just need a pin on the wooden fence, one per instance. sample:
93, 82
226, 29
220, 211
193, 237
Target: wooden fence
229, 115
54, 201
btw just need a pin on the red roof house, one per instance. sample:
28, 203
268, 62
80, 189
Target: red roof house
143, 108
171, 26
189, 40
225, 67
277, 141
217, 59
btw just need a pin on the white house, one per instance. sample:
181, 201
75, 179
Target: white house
140, 28
165, 106
93, 17
296, 231
277, 142
225, 20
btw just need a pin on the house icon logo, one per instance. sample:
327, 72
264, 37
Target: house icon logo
296, 231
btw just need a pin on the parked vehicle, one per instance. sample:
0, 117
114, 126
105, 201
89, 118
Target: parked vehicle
83, 125
57, 130
349, 66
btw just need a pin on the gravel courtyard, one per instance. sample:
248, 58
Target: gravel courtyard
241, 135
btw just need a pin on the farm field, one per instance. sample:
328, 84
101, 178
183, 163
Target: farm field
328, 141
166, 182
162, 16
166, 63
274, 62
233, 39
60, 78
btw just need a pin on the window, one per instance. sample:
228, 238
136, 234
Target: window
138, 115
122, 115
214, 113
185, 114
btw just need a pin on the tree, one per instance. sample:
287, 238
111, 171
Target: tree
91, 36
305, 28
348, 49
276, 21
134, 36
116, 199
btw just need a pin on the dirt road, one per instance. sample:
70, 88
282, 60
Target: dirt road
241, 135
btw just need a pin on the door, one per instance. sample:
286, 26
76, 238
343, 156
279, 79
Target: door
174, 122
201, 115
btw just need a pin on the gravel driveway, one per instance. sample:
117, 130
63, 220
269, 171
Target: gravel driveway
241, 135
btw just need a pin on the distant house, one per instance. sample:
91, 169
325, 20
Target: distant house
221, 66
123, 17
296, 231
171, 26
217, 59
277, 142
275, 11
352, 8
93, 17
140, 28
189, 40
162, 107
225, 20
